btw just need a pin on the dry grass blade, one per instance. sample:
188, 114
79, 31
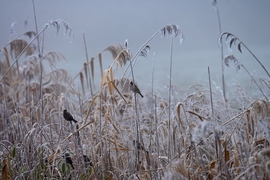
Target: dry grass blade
121, 147
110, 80
199, 116
4, 170
82, 82
92, 68
115, 127
103, 79
241, 114
100, 62
226, 153
112, 83
178, 111
86, 73
116, 143
90, 108
76, 132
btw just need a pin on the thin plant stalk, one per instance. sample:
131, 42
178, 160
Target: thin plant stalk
214, 3
238, 64
156, 122
153, 68
136, 111
100, 133
170, 91
88, 69
211, 96
255, 82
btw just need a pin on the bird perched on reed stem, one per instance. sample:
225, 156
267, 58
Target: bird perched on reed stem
68, 116
138, 145
135, 89
87, 161
68, 160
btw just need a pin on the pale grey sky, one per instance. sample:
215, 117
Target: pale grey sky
108, 22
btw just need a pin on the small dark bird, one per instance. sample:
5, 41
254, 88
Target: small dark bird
135, 89
138, 145
68, 116
69, 160
87, 161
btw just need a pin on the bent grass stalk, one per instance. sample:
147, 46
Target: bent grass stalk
233, 40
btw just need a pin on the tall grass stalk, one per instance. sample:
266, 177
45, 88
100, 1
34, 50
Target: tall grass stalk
170, 96
153, 70
40, 82
211, 94
214, 3
136, 110
88, 68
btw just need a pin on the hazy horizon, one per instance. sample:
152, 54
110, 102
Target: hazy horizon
108, 23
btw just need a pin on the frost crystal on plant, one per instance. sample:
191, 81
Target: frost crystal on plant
12, 29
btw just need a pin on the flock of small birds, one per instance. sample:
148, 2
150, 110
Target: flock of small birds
70, 118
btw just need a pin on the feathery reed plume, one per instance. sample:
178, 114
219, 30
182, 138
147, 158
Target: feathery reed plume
114, 50
238, 65
56, 24
144, 51
121, 58
18, 45
168, 31
232, 39
30, 34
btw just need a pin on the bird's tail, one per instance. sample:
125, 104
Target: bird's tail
74, 120
141, 95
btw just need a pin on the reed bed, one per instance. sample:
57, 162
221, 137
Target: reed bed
192, 134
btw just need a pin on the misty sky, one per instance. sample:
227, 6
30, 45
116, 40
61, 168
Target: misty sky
111, 22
